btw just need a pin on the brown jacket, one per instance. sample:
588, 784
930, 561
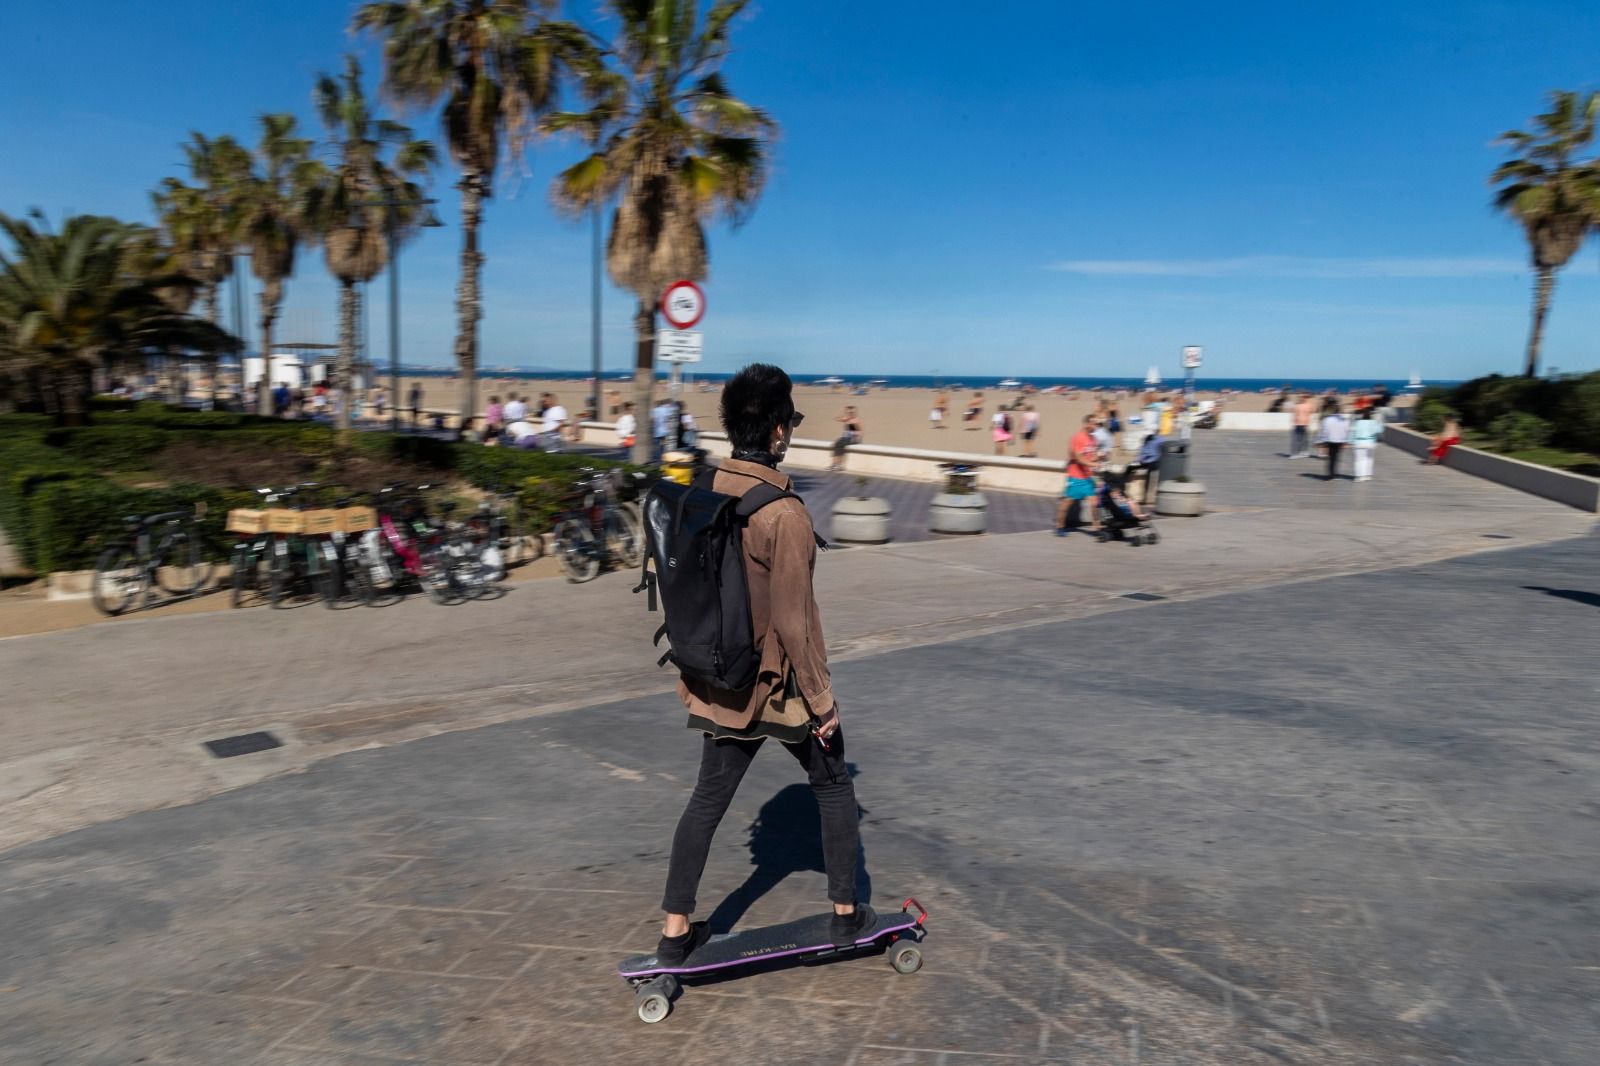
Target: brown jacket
780, 555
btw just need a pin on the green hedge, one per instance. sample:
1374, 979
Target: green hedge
1515, 410
59, 511
73, 521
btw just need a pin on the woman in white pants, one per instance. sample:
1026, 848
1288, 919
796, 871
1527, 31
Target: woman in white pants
1364, 434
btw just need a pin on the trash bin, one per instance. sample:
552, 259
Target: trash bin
678, 466
1174, 460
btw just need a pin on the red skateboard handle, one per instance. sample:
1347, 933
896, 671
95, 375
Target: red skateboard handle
922, 912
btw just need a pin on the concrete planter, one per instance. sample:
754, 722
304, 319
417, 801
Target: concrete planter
1184, 498
963, 512
861, 520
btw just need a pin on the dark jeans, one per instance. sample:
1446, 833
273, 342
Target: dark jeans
722, 766
1334, 448
1297, 441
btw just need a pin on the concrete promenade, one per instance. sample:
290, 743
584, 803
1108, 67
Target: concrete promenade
1329, 801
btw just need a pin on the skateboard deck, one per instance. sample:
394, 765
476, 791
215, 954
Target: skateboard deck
800, 939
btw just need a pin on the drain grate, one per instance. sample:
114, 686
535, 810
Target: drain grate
243, 744
1142, 597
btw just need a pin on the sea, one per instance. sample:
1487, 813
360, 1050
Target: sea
974, 381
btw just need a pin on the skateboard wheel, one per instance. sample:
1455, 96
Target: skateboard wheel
653, 1007
906, 959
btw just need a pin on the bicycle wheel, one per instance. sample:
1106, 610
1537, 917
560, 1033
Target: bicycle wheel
625, 537
437, 578
246, 572
357, 575
181, 570
329, 582
119, 580
279, 572
577, 550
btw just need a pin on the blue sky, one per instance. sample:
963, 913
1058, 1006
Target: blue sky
1031, 188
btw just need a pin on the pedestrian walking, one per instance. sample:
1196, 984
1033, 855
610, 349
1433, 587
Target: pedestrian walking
1002, 431
941, 404
974, 409
1030, 432
792, 699
849, 434
516, 410
1364, 435
494, 415
662, 417
414, 401
1083, 457
1300, 435
627, 426
1335, 434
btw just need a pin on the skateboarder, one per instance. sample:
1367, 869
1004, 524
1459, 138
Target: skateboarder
792, 699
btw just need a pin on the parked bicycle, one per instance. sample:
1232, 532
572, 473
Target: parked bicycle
125, 572
597, 531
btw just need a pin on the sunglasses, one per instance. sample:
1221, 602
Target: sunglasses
795, 420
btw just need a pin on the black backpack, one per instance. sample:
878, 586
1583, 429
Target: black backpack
695, 537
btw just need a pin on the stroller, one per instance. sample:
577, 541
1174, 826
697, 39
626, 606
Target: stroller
1118, 519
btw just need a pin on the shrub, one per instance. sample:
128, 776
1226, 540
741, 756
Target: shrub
110, 447
1431, 413
74, 520
1519, 432
1577, 424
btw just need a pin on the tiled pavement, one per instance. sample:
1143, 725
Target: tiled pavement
1350, 821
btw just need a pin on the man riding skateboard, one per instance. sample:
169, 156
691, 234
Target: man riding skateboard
792, 698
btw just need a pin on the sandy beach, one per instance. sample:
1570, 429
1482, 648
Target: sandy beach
897, 416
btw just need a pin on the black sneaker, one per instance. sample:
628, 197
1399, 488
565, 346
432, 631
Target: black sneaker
845, 929
672, 950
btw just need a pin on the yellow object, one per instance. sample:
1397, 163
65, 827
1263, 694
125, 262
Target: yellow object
678, 466
283, 520
357, 519
319, 522
244, 520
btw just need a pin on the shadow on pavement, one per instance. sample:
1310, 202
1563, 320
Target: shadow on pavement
1588, 599
786, 838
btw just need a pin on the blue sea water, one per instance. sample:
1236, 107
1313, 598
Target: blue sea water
990, 382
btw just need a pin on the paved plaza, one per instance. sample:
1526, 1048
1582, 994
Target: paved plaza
1323, 793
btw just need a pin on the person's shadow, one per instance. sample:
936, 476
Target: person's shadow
1590, 599
786, 838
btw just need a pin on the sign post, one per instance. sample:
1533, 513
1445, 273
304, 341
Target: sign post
683, 304
1191, 363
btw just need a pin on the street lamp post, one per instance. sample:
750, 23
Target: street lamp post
391, 227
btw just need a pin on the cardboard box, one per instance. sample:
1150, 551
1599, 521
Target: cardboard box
244, 520
357, 519
283, 520
321, 522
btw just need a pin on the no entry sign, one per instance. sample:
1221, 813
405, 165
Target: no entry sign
683, 304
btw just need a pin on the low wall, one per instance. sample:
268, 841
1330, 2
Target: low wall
1574, 490
1279, 421
1006, 473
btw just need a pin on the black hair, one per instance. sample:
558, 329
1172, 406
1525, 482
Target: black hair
756, 401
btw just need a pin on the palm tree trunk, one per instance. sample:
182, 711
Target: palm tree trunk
468, 298
270, 297
209, 295
644, 379
349, 308
1544, 287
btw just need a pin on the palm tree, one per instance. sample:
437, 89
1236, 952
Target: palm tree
201, 220
496, 65
354, 235
1555, 198
682, 151
75, 300
276, 205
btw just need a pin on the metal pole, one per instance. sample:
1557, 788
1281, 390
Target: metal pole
394, 323
594, 319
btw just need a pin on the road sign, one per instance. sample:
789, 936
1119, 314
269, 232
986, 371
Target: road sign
1191, 357
679, 346
683, 304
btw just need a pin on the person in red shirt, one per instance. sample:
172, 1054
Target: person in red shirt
1083, 456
